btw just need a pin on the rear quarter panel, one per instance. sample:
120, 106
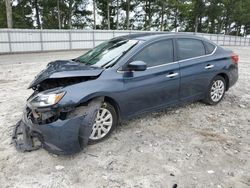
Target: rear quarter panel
195, 79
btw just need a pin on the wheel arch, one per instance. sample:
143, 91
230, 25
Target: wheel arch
104, 99
114, 104
226, 78
108, 99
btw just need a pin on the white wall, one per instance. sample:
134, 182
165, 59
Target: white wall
28, 40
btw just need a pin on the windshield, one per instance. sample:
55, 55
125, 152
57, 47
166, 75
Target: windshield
107, 53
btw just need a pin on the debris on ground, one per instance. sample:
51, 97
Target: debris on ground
59, 167
212, 134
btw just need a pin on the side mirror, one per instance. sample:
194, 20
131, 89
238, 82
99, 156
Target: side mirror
137, 66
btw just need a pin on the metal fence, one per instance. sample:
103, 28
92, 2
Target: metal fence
28, 40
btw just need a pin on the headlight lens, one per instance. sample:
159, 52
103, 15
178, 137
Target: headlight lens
49, 99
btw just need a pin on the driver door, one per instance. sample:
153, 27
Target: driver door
158, 85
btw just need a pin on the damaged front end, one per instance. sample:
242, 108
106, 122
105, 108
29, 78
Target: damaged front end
56, 117
59, 130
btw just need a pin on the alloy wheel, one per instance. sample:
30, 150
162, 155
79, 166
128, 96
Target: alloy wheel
217, 90
103, 124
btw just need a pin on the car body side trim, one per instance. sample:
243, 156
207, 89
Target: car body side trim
119, 71
199, 56
163, 65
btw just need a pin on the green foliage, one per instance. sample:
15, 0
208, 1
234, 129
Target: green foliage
3, 22
49, 14
210, 16
102, 11
22, 14
81, 17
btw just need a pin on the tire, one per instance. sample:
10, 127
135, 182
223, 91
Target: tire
216, 91
106, 110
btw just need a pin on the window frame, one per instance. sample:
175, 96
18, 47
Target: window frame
206, 47
177, 49
151, 43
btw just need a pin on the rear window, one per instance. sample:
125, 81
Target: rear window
189, 48
210, 47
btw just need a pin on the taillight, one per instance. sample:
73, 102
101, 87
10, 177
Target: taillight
235, 58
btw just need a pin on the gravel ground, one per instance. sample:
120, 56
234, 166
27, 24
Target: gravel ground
193, 145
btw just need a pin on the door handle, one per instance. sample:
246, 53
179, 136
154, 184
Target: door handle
171, 75
209, 66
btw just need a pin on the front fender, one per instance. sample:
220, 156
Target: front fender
83, 92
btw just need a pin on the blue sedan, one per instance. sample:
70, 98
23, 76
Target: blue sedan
127, 76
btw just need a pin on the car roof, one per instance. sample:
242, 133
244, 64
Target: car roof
154, 35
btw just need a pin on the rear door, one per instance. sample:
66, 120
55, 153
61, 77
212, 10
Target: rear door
196, 68
159, 84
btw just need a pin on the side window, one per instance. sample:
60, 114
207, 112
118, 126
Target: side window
210, 47
189, 48
158, 53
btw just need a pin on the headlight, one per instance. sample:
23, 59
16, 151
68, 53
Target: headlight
43, 100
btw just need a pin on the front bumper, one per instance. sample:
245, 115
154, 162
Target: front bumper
67, 136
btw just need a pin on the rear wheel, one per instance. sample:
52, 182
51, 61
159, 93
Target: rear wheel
216, 91
105, 122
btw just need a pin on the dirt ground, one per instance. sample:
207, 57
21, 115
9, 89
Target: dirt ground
193, 145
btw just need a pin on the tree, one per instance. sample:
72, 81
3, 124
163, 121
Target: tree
211, 16
246, 17
162, 9
9, 13
107, 9
228, 7
94, 13
81, 16
3, 19
70, 13
214, 13
108, 15
22, 14
148, 9
49, 14
59, 14
180, 15
35, 4
127, 13
117, 14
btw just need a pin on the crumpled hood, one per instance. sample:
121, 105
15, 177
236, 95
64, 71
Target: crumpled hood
65, 69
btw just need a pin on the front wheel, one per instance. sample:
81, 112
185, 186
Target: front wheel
216, 91
105, 122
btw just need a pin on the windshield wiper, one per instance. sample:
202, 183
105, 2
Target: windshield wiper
104, 65
78, 60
